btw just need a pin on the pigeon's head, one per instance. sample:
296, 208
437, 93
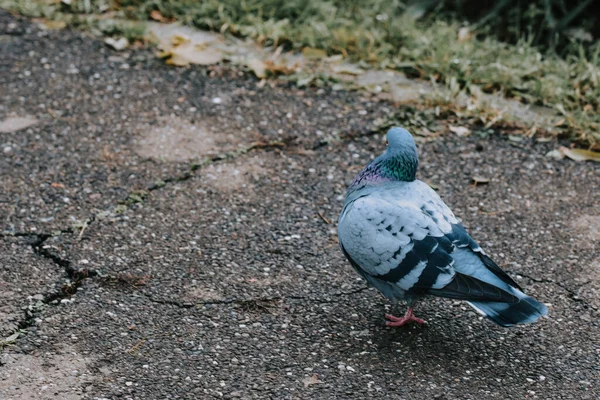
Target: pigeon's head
399, 162
400, 139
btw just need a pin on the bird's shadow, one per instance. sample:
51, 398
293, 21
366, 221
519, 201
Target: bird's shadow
453, 345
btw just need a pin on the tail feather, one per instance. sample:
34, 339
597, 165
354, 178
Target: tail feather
464, 287
526, 311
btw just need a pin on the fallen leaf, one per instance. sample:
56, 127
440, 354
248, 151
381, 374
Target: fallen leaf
580, 154
323, 218
347, 69
57, 185
310, 52
480, 180
311, 380
258, 67
460, 130
51, 24
279, 68
182, 47
555, 154
531, 132
9, 340
335, 58
559, 122
14, 124
157, 16
515, 138
432, 185
464, 34
118, 44
188, 53
179, 38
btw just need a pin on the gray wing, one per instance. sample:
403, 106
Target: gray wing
412, 245
397, 242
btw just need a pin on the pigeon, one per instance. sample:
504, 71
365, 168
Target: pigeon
401, 237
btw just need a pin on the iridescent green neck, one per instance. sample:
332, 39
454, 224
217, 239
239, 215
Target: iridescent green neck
391, 166
399, 168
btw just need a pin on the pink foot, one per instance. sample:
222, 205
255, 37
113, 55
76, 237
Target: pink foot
407, 319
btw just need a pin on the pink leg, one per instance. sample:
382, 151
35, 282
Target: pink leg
408, 318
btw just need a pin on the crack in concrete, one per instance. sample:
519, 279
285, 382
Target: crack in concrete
570, 292
75, 276
334, 298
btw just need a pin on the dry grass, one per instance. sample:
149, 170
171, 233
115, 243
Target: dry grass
380, 34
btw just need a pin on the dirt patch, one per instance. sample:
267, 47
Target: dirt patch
235, 176
14, 124
588, 228
44, 376
195, 293
175, 139
589, 284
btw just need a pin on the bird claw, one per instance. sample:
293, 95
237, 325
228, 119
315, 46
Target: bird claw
401, 321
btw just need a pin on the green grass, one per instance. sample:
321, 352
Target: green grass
385, 34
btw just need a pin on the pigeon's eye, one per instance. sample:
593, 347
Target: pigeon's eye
386, 142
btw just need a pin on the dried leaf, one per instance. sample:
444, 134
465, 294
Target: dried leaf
347, 69
310, 52
52, 24
9, 340
335, 58
57, 185
157, 16
118, 44
182, 47
14, 124
480, 180
555, 154
464, 34
560, 122
258, 67
179, 39
460, 130
580, 154
515, 138
432, 185
279, 68
187, 53
311, 380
